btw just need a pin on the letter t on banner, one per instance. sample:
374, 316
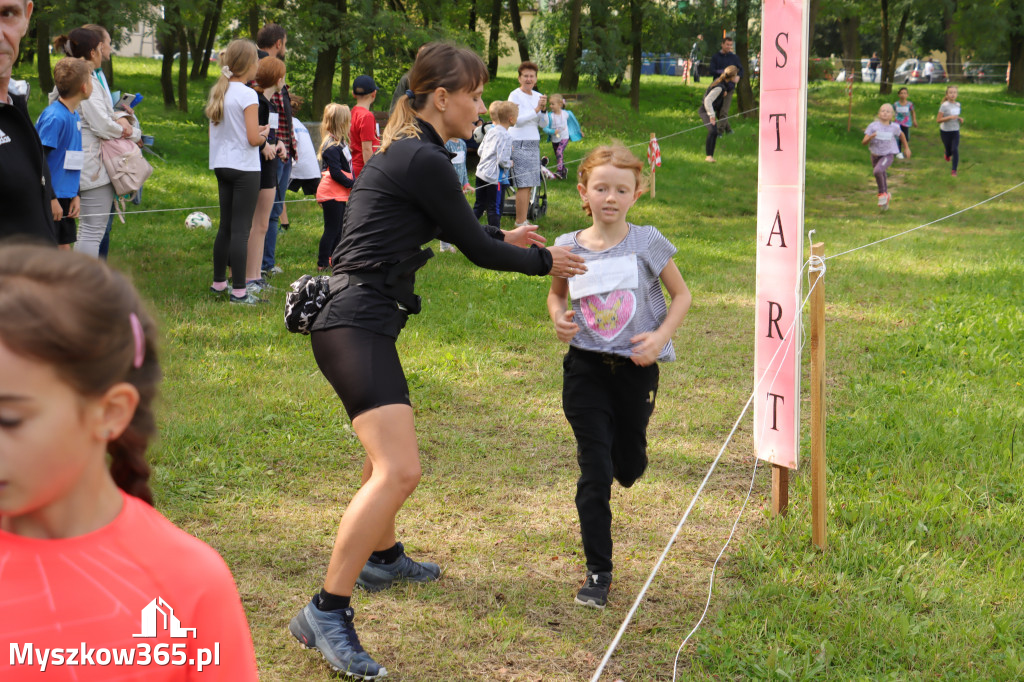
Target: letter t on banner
780, 222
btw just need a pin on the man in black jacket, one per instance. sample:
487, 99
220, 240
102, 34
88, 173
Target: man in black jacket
719, 61
25, 194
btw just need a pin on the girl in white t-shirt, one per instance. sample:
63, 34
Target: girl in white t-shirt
949, 119
235, 140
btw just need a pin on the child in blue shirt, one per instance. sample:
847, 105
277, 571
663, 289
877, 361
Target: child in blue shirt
60, 131
905, 115
457, 147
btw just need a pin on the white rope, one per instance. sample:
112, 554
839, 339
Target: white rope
714, 464
184, 208
814, 264
938, 220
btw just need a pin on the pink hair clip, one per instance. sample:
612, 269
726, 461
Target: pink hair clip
140, 340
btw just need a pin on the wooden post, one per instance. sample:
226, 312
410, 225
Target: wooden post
654, 168
780, 490
818, 505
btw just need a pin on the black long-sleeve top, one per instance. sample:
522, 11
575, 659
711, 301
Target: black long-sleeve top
720, 60
334, 162
410, 195
25, 190
404, 198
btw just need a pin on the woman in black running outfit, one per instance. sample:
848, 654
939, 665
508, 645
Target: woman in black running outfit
407, 195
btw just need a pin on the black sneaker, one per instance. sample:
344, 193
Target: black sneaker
376, 577
333, 635
594, 592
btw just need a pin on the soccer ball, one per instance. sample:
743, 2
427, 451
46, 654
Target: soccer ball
198, 219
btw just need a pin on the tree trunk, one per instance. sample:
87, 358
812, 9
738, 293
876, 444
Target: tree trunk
744, 95
890, 50
346, 73
492, 41
1016, 84
253, 19
517, 30
204, 69
165, 43
323, 78
812, 11
471, 26
43, 55
599, 12
849, 31
570, 79
182, 67
199, 46
636, 25
953, 66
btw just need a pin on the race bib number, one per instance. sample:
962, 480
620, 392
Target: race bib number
273, 120
955, 109
74, 161
602, 276
886, 135
460, 157
903, 109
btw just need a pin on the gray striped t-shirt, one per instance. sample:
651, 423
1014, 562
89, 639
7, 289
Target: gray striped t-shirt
620, 296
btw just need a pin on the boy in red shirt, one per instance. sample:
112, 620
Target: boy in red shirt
365, 137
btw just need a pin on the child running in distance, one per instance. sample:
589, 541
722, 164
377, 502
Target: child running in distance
905, 115
495, 156
92, 576
336, 178
883, 137
60, 131
949, 119
457, 147
618, 328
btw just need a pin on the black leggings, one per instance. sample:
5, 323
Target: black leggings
487, 199
238, 191
362, 367
712, 138
334, 215
951, 141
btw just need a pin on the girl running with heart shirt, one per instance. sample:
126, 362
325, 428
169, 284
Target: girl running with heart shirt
618, 328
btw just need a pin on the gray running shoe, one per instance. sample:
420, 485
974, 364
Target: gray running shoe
594, 592
248, 299
333, 635
377, 577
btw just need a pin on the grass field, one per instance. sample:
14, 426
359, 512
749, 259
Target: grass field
923, 577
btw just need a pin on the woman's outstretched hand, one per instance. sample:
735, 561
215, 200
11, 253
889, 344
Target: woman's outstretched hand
524, 236
565, 263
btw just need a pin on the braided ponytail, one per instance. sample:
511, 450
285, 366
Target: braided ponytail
88, 335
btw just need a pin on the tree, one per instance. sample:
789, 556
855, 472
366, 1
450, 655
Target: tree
890, 49
1016, 35
570, 79
517, 30
492, 41
636, 24
744, 95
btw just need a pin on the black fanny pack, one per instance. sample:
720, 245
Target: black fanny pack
310, 294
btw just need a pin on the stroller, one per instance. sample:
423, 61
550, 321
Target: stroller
538, 195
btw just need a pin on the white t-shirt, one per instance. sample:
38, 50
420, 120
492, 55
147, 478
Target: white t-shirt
948, 108
229, 144
528, 120
305, 167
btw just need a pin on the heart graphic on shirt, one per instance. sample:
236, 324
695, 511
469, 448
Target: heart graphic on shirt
609, 315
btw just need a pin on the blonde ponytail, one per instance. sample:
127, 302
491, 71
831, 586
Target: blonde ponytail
402, 123
237, 58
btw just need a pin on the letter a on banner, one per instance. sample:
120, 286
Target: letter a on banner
780, 227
